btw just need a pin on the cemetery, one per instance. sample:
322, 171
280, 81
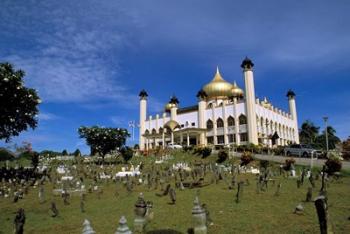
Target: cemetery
170, 117
181, 193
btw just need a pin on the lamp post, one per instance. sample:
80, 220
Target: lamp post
325, 119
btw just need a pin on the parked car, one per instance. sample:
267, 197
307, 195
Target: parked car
301, 150
174, 146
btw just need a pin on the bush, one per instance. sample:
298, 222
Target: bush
222, 156
333, 163
205, 152
246, 158
279, 150
126, 153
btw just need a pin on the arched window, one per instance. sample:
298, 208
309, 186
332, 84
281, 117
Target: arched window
209, 124
147, 132
220, 123
242, 119
161, 130
154, 131
230, 121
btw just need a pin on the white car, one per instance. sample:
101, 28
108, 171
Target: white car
174, 146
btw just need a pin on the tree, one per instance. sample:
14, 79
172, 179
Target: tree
77, 153
64, 152
103, 140
333, 140
308, 133
19, 104
6, 155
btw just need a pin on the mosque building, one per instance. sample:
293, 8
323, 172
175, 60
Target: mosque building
225, 114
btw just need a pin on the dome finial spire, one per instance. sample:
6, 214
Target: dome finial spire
217, 69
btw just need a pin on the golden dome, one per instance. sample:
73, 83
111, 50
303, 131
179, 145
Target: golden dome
237, 91
218, 87
168, 106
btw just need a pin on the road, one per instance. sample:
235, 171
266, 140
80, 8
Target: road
299, 161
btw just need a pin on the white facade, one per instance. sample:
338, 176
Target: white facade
221, 121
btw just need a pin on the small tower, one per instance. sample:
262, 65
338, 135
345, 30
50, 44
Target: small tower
202, 96
247, 66
293, 112
173, 110
143, 112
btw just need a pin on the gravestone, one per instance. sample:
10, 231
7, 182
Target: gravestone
149, 211
239, 191
207, 215
54, 210
322, 213
172, 195
19, 221
299, 209
140, 212
309, 195
278, 190
123, 227
199, 218
87, 229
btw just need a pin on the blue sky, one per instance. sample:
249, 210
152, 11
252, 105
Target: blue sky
89, 59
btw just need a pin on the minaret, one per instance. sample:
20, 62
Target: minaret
293, 112
247, 66
143, 111
201, 95
173, 109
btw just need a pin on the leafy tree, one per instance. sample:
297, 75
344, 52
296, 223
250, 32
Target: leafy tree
64, 152
77, 153
333, 140
19, 104
103, 140
308, 133
6, 155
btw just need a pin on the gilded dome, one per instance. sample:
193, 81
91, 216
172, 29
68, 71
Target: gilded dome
236, 91
218, 87
168, 106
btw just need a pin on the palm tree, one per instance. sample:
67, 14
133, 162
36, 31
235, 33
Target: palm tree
308, 132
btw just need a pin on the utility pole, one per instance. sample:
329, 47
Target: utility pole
132, 126
325, 119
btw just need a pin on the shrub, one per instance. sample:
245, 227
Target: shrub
126, 153
246, 158
205, 152
279, 150
222, 156
333, 163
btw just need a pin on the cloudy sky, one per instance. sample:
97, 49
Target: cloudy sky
89, 59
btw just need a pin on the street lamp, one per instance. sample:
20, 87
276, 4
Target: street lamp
325, 119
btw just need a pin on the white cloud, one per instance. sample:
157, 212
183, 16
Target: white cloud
47, 116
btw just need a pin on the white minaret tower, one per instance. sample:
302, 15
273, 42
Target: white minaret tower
201, 95
143, 111
293, 112
247, 66
173, 110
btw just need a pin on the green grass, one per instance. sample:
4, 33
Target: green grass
257, 213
